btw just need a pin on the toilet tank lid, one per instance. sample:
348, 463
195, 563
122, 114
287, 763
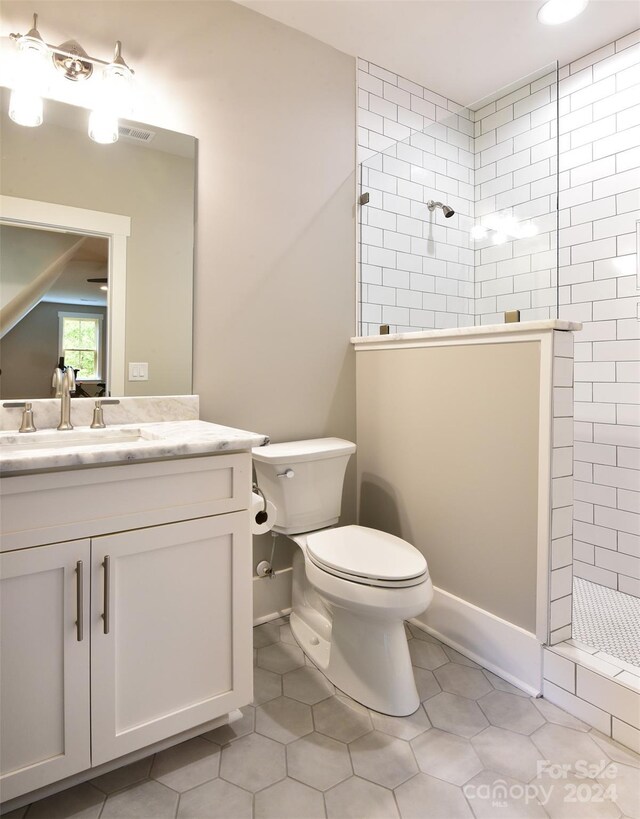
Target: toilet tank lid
313, 449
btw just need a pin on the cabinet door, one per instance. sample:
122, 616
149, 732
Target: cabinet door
171, 641
44, 668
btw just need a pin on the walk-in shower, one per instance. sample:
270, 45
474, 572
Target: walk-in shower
492, 170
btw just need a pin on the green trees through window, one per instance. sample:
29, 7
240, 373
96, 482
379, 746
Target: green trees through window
80, 344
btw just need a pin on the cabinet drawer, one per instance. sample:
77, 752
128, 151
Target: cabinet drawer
57, 506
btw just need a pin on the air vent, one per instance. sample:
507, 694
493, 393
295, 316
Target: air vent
136, 134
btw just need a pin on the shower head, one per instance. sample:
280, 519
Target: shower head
448, 212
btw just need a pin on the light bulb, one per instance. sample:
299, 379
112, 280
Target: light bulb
555, 12
499, 238
30, 83
103, 287
113, 100
103, 127
25, 108
115, 91
478, 232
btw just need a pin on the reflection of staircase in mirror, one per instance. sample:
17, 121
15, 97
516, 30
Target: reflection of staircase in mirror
32, 261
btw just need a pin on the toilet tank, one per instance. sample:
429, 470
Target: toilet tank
304, 480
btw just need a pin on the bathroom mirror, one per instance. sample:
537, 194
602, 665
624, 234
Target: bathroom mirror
96, 245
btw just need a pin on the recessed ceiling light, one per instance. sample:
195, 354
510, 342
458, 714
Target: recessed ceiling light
555, 12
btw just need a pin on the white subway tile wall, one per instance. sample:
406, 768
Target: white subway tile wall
416, 266
599, 197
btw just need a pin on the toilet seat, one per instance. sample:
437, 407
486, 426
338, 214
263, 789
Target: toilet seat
367, 556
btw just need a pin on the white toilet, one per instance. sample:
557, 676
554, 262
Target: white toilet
353, 587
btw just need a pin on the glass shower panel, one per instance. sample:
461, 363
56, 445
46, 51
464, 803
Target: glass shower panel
458, 222
416, 264
516, 203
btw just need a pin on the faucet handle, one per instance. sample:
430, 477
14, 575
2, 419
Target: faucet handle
98, 417
26, 424
98, 414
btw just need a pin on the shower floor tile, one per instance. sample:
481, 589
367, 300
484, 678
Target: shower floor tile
607, 620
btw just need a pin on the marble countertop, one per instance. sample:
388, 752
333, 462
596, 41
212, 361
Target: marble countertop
362, 342
25, 453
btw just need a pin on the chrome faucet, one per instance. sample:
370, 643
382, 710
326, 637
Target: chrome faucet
64, 383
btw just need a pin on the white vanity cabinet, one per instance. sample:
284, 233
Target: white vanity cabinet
164, 641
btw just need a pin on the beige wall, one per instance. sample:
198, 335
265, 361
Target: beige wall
448, 460
274, 112
29, 352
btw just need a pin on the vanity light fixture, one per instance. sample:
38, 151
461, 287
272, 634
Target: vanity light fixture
35, 59
554, 12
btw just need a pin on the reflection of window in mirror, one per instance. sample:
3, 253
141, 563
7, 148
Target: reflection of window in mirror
81, 343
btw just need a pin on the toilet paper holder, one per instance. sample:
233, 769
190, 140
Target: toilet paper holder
261, 516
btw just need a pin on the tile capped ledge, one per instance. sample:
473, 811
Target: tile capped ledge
603, 693
131, 410
424, 337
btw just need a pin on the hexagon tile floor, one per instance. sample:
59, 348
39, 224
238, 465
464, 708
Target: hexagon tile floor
477, 747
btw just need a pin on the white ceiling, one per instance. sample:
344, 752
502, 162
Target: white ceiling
463, 49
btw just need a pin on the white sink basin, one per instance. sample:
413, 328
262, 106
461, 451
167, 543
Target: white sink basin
69, 439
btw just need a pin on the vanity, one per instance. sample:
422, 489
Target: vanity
125, 557
125, 592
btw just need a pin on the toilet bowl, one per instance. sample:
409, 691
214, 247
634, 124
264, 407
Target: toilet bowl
353, 587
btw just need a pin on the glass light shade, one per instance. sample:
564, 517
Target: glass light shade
555, 12
32, 66
499, 238
25, 108
478, 232
29, 82
113, 100
103, 127
115, 89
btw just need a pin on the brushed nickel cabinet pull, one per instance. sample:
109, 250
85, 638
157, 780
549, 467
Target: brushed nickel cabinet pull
107, 593
80, 601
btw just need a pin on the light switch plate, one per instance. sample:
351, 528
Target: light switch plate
138, 371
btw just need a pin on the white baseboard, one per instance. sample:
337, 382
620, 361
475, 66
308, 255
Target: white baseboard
509, 651
272, 596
